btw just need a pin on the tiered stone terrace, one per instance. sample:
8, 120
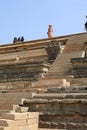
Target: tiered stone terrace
61, 109
37, 74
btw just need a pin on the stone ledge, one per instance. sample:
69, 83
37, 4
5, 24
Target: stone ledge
30, 127
49, 129
60, 96
64, 101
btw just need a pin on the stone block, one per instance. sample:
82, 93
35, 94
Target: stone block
10, 101
9, 123
49, 129
20, 109
14, 116
32, 121
30, 127
32, 115
27, 127
49, 83
9, 128
74, 126
67, 84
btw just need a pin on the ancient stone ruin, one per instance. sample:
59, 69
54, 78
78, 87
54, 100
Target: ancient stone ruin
43, 84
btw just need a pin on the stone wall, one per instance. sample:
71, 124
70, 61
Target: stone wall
60, 110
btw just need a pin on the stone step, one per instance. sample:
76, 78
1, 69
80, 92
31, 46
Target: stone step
29, 54
25, 90
50, 83
74, 48
10, 101
63, 125
58, 107
20, 116
62, 64
60, 96
71, 89
4, 111
30, 127
49, 129
78, 81
19, 119
64, 118
6, 106
55, 100
16, 95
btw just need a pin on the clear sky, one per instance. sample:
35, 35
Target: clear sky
30, 18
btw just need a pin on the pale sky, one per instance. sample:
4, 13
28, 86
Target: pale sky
30, 18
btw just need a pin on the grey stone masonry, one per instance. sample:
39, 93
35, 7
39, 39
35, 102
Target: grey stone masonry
60, 110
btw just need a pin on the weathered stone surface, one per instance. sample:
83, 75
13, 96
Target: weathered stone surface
20, 116
45, 83
19, 121
57, 110
15, 116
30, 127
49, 129
9, 128
20, 109
61, 96
32, 115
26, 71
71, 89
7, 123
23, 67
32, 121
79, 67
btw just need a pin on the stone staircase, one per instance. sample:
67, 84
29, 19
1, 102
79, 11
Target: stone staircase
61, 108
60, 70
20, 64
73, 49
30, 53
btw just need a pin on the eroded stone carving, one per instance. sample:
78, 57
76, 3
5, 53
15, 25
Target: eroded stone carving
53, 49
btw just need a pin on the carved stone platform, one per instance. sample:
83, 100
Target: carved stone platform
23, 71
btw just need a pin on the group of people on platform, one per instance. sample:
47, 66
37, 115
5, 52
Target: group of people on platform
19, 39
